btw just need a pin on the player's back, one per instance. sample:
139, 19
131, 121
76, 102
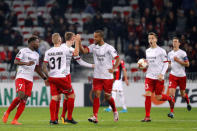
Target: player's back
176, 68
156, 58
56, 58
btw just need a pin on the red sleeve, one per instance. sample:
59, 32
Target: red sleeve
116, 57
17, 58
122, 64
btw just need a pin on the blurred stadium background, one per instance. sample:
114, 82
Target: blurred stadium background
125, 23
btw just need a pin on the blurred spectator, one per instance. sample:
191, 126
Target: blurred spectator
120, 31
106, 6
89, 9
14, 53
78, 5
12, 18
4, 7
2, 18
17, 39
98, 22
191, 19
40, 19
6, 37
5, 55
170, 22
29, 21
88, 26
193, 35
181, 21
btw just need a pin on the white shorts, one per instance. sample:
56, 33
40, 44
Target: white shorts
117, 85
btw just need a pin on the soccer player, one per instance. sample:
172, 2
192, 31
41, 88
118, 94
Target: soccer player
27, 60
55, 58
103, 54
178, 61
117, 89
70, 40
154, 81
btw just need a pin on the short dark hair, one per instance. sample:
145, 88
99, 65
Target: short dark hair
68, 35
152, 33
32, 38
101, 33
175, 37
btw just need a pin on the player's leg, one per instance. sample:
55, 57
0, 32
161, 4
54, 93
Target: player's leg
148, 92
97, 88
182, 85
121, 97
172, 90
23, 95
70, 107
64, 110
122, 101
19, 87
58, 106
108, 83
21, 107
114, 94
53, 108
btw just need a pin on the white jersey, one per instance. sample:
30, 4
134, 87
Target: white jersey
156, 58
56, 58
176, 68
103, 56
68, 57
26, 55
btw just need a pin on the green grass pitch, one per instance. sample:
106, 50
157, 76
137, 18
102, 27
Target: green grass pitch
37, 119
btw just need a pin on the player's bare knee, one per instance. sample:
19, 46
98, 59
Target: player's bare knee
148, 93
158, 97
55, 98
97, 94
71, 95
182, 93
107, 96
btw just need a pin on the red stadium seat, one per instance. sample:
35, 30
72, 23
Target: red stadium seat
134, 69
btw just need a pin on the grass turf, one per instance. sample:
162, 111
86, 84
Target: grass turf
36, 119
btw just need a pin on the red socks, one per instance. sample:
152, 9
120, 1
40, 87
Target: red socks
96, 105
70, 106
64, 110
14, 103
165, 98
20, 109
52, 108
148, 105
112, 104
186, 98
57, 109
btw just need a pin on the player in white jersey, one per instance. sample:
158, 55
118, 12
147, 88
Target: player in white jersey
28, 60
157, 67
58, 80
178, 60
70, 40
103, 55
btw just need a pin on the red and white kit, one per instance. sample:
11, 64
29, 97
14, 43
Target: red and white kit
103, 56
56, 58
177, 75
24, 76
156, 58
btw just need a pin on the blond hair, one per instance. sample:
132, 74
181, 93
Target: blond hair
55, 37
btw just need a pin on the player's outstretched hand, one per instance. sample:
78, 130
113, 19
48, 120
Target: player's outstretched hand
46, 82
176, 59
160, 77
127, 82
30, 63
111, 70
78, 37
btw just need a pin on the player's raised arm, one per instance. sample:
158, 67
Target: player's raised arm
77, 41
82, 49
